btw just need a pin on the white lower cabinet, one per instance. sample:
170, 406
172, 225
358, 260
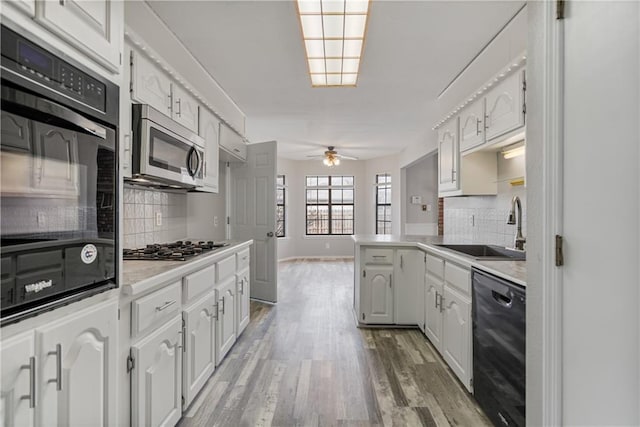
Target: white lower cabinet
456, 343
243, 304
377, 307
17, 393
199, 358
407, 299
226, 325
77, 368
156, 382
434, 290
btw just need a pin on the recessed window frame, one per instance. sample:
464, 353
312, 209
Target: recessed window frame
281, 187
383, 183
333, 183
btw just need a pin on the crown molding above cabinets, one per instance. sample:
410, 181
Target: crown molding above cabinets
468, 137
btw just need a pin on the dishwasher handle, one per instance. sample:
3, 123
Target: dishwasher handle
503, 300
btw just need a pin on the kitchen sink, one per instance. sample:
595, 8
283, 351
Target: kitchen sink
488, 252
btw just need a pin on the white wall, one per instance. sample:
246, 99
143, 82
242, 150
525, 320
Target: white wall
297, 243
204, 208
422, 180
390, 165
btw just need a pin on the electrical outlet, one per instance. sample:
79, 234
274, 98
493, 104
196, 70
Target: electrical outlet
428, 208
327, 245
215, 221
158, 219
42, 220
472, 220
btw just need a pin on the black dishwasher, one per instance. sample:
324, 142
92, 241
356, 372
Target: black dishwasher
499, 333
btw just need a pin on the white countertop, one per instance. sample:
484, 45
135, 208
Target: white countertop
141, 276
514, 271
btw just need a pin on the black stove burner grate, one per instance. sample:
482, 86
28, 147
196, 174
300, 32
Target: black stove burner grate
176, 251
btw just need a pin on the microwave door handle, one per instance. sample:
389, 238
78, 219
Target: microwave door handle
190, 168
51, 108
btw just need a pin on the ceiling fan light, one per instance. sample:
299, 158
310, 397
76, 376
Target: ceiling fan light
336, 161
326, 161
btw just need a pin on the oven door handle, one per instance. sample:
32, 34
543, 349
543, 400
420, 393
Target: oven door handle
26, 100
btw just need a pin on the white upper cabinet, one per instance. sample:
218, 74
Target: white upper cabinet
232, 143
149, 84
93, 26
25, 6
472, 126
18, 394
210, 131
505, 106
448, 156
185, 108
77, 368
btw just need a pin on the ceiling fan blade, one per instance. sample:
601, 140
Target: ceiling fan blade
316, 156
347, 157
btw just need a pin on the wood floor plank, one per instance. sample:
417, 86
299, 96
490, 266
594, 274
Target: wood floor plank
303, 362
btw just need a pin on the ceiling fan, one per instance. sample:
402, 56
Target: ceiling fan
331, 157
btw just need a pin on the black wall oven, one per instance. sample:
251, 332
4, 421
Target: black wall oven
58, 165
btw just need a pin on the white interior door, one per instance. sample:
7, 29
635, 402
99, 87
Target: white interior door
253, 215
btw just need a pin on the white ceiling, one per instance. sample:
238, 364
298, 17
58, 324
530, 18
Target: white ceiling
413, 50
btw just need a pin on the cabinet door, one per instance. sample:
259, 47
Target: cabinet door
157, 377
77, 368
505, 106
17, 357
210, 131
185, 108
199, 359
448, 156
226, 318
472, 126
378, 289
149, 84
456, 344
243, 289
433, 310
232, 142
93, 26
409, 269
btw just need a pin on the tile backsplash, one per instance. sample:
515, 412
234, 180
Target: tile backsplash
141, 207
483, 219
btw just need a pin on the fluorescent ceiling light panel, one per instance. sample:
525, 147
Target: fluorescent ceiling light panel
333, 33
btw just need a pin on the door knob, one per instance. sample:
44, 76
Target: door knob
270, 234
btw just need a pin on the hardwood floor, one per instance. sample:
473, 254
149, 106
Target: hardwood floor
304, 362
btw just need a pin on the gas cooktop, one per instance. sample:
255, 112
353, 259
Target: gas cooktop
176, 251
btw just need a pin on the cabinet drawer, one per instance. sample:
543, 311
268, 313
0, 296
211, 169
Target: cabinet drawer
225, 268
242, 259
198, 283
378, 256
154, 308
435, 266
458, 277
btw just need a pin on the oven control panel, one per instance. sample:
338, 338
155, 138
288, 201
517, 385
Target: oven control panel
32, 61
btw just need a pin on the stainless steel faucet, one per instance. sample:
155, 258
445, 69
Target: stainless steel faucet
519, 240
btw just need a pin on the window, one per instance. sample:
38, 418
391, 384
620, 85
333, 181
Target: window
280, 207
329, 205
383, 203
